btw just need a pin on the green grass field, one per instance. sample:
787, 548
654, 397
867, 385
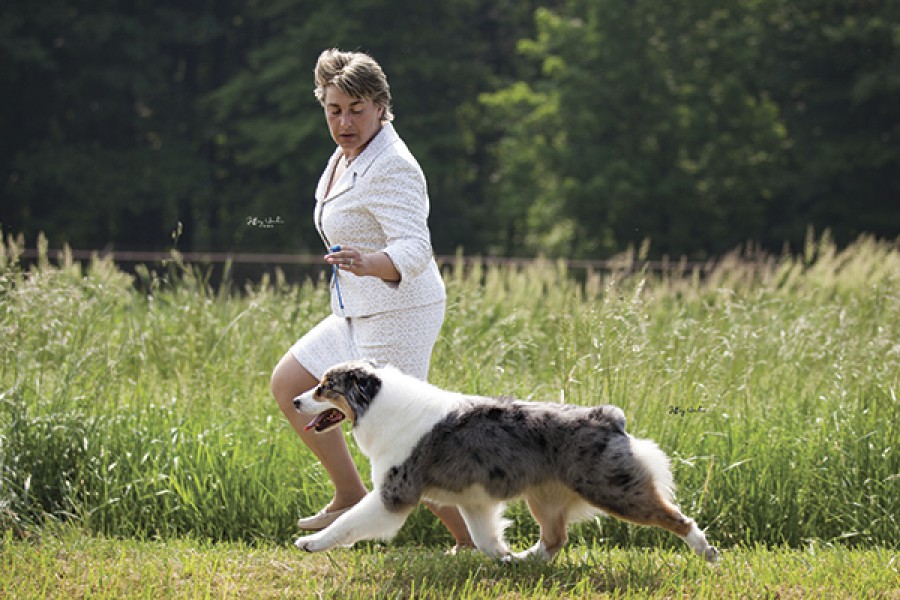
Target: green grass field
141, 454
74, 565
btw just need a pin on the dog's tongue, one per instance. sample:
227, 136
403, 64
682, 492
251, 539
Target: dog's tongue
324, 420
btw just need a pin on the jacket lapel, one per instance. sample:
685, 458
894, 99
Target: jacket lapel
382, 140
338, 187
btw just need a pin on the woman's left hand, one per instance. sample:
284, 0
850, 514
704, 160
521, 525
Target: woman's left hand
375, 264
347, 259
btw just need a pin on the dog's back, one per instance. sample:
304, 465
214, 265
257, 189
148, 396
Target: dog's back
505, 446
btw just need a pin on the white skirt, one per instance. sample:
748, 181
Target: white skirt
402, 338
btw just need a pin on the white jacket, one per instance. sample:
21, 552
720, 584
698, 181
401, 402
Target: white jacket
380, 204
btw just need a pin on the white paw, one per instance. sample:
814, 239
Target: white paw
311, 543
711, 554
525, 556
536, 552
501, 552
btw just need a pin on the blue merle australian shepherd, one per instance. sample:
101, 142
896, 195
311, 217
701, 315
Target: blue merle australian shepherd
477, 453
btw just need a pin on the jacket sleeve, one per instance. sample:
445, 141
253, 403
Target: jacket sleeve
398, 201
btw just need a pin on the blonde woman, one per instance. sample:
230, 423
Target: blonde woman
387, 296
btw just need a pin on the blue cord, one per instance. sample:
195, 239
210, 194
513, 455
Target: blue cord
334, 273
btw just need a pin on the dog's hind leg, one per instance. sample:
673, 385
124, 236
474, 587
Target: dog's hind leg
649, 508
369, 519
649, 502
696, 539
552, 512
669, 517
486, 525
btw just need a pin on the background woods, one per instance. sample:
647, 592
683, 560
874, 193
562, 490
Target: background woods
564, 127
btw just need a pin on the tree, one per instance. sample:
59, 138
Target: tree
644, 123
101, 145
833, 68
564, 127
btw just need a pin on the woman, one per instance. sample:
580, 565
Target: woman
387, 296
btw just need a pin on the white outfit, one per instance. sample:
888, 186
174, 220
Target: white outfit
380, 204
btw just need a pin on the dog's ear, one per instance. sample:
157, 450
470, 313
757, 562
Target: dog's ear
364, 385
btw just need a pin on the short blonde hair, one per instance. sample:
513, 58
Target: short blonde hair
356, 74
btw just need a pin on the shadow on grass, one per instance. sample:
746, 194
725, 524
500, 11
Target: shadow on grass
577, 571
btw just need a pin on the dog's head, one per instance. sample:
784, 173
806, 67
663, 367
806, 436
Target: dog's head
345, 392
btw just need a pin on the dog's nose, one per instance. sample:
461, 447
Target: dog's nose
305, 396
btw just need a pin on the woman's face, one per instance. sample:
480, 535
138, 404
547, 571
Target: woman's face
351, 121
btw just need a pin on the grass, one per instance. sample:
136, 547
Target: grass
73, 565
135, 419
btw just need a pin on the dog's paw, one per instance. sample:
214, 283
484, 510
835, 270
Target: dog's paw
311, 543
538, 552
711, 554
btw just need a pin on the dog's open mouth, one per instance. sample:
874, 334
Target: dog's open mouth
326, 420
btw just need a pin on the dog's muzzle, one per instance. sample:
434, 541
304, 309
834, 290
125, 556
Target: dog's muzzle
299, 400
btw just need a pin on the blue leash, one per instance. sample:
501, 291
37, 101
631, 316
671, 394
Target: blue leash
334, 274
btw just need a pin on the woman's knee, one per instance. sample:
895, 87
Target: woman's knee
276, 385
289, 379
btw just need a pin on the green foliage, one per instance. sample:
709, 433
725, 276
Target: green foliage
545, 127
771, 383
103, 144
701, 126
832, 68
658, 126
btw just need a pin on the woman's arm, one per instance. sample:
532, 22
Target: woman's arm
372, 264
398, 199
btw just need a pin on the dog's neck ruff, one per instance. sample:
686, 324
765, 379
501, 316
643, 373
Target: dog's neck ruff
406, 406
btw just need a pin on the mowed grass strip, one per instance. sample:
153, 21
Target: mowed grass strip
78, 565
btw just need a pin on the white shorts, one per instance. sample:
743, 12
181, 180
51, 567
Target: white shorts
403, 338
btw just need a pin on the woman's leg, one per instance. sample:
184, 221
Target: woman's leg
452, 520
289, 380
405, 339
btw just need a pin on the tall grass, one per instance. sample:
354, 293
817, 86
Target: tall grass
139, 405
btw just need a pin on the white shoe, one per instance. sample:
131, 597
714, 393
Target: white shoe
321, 519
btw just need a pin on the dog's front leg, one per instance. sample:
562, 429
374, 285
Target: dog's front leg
486, 526
369, 519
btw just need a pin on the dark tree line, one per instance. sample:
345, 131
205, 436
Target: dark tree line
567, 127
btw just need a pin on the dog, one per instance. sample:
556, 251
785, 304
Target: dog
477, 453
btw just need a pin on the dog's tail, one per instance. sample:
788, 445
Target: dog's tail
656, 464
